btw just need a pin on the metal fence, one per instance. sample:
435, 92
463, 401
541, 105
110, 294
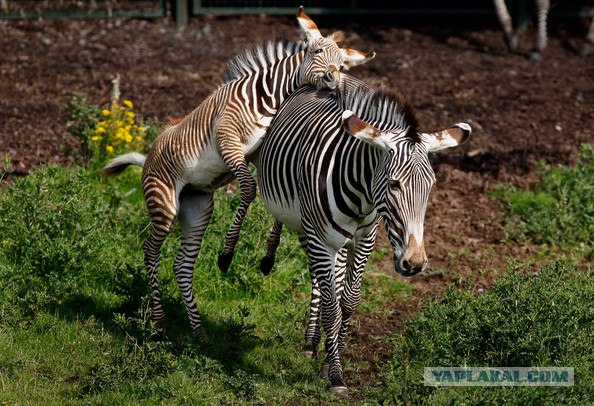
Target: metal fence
181, 10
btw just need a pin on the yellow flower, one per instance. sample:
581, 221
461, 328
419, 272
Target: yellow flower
96, 138
130, 115
100, 130
119, 123
128, 104
109, 149
106, 112
138, 138
128, 137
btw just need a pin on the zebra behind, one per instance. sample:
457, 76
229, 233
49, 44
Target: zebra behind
540, 42
214, 144
341, 174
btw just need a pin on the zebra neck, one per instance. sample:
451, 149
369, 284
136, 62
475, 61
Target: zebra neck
275, 84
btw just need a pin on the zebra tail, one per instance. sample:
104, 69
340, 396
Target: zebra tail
119, 163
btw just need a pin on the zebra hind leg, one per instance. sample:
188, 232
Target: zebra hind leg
247, 186
195, 212
541, 26
152, 253
272, 245
160, 199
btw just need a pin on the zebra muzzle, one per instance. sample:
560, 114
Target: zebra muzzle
329, 80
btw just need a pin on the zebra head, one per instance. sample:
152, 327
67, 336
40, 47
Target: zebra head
324, 59
403, 184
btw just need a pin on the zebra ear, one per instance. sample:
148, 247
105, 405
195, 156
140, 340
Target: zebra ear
452, 137
310, 29
352, 57
363, 131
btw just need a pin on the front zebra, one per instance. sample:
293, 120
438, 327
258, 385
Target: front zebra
215, 143
340, 175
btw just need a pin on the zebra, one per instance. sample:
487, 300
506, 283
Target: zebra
353, 156
540, 41
212, 145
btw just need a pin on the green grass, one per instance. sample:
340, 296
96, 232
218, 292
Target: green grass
74, 293
559, 210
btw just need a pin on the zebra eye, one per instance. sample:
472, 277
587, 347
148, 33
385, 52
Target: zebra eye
317, 51
394, 184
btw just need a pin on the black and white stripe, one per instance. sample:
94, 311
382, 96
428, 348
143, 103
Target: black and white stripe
319, 178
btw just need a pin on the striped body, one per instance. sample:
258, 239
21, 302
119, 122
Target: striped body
331, 185
212, 145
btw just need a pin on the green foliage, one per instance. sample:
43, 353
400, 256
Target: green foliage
544, 319
560, 209
59, 246
82, 120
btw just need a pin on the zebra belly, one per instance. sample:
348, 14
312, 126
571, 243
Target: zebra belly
202, 171
287, 212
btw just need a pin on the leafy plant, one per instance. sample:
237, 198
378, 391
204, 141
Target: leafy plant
105, 133
525, 320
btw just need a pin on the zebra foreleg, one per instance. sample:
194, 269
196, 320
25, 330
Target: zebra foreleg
195, 212
247, 186
351, 295
267, 262
322, 264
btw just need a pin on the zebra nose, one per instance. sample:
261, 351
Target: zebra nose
405, 265
328, 77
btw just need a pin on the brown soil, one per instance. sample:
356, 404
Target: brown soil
455, 70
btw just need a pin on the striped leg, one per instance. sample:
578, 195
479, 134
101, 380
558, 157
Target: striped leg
541, 24
351, 296
312, 332
161, 204
510, 37
194, 214
272, 245
322, 263
340, 271
247, 186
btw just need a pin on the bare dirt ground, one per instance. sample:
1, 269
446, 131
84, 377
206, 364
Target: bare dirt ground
455, 69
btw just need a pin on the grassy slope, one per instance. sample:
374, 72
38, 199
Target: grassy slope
74, 326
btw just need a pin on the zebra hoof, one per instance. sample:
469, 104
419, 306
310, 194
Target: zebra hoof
309, 351
511, 41
201, 335
341, 391
534, 56
224, 262
266, 265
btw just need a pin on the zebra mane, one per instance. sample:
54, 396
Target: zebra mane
252, 60
383, 107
